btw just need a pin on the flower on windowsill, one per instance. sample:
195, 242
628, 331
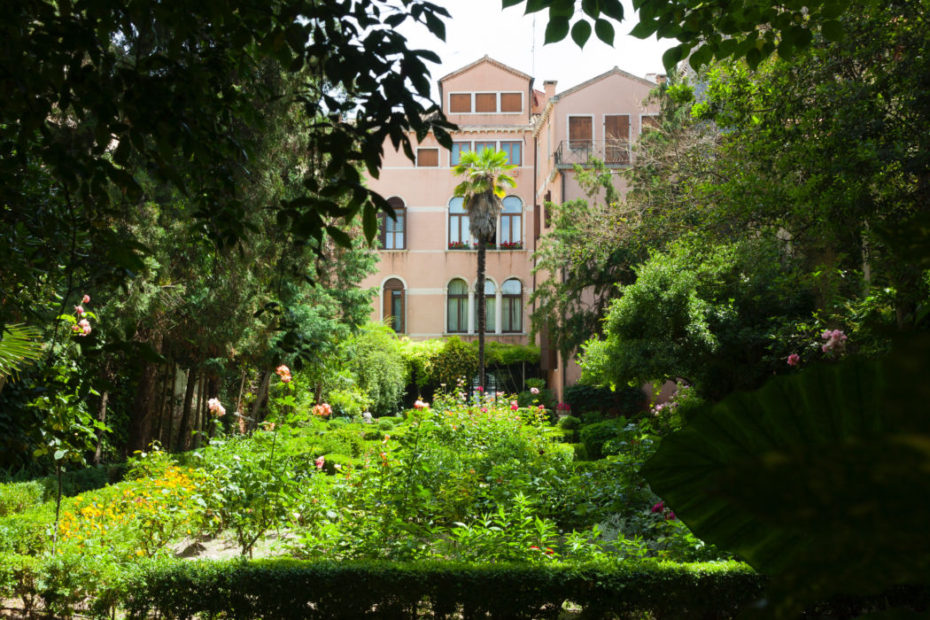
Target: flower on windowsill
511, 245
459, 245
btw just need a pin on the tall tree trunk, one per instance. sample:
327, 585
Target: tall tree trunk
169, 432
264, 382
102, 418
184, 424
143, 406
482, 310
198, 413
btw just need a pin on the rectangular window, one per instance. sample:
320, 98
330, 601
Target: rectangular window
427, 158
580, 132
480, 146
485, 102
458, 314
511, 102
514, 152
650, 121
457, 149
393, 238
617, 138
460, 103
397, 311
459, 231
511, 225
512, 315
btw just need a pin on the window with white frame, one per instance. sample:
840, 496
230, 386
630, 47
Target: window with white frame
457, 307
427, 158
457, 149
581, 132
392, 231
507, 102
394, 309
512, 306
459, 228
511, 226
490, 305
514, 150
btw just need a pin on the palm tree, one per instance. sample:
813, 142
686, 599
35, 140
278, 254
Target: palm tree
485, 176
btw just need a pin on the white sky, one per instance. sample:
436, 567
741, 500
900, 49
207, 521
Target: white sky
479, 27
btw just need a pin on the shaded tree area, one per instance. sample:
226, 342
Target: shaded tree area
774, 203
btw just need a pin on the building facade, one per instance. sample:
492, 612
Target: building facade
428, 265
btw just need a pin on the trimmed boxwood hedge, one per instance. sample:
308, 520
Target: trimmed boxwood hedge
296, 589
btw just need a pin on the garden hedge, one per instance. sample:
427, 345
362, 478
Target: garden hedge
296, 589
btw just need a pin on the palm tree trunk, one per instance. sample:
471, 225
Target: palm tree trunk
482, 310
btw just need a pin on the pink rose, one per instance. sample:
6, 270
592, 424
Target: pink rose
319, 462
78, 310
85, 299
534, 390
658, 507
514, 405
794, 359
480, 389
420, 405
484, 410
670, 516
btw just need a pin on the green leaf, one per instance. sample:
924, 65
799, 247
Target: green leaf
339, 236
60, 454
671, 57
533, 6
556, 30
817, 479
832, 30
370, 222
509, 3
581, 32
644, 29
604, 31
591, 8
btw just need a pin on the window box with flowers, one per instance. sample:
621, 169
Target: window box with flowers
511, 245
459, 245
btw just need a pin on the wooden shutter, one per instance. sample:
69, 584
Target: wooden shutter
460, 103
580, 131
511, 102
427, 158
486, 102
617, 136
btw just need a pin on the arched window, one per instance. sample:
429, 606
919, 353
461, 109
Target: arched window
395, 305
511, 223
393, 232
490, 303
457, 307
512, 306
459, 230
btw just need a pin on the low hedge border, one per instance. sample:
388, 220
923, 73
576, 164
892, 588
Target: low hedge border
297, 589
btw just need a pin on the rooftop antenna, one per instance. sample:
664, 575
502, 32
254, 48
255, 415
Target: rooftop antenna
533, 48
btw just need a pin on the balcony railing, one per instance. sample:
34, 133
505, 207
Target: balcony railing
612, 152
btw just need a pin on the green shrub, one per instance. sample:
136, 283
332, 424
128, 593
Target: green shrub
581, 454
387, 423
569, 423
331, 461
626, 401
294, 589
18, 496
375, 359
594, 436
457, 361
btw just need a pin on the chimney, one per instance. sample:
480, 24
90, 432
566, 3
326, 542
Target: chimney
549, 86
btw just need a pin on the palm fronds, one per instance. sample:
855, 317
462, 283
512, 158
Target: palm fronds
19, 345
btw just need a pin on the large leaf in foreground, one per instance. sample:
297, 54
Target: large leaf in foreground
19, 345
820, 479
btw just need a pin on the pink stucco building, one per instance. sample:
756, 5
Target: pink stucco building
427, 270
